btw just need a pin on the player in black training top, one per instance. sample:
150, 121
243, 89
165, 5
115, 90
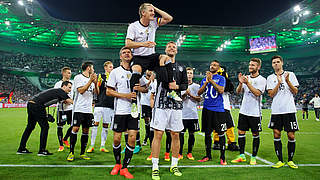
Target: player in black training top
103, 109
37, 113
305, 102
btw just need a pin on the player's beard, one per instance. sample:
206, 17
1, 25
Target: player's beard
172, 55
213, 71
254, 71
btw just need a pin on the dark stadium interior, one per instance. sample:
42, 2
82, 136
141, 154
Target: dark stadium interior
178, 113
35, 46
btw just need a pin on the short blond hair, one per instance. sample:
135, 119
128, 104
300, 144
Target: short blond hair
64, 69
107, 63
143, 7
171, 42
189, 69
257, 60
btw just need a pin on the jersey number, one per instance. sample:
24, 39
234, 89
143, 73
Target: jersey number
210, 93
281, 87
294, 125
223, 127
259, 127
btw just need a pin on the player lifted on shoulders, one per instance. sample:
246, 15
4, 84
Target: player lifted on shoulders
141, 38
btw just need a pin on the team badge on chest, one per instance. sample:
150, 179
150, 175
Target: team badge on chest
128, 76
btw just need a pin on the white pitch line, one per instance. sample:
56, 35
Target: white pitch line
259, 158
297, 132
146, 166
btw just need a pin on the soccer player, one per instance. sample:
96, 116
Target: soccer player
168, 111
37, 114
281, 87
103, 109
213, 110
141, 38
190, 114
118, 86
153, 91
85, 85
229, 88
316, 105
252, 87
305, 102
64, 112
145, 104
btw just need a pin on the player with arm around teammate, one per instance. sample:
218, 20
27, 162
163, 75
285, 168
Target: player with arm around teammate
118, 86
168, 112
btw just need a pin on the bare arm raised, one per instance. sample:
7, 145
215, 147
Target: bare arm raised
165, 17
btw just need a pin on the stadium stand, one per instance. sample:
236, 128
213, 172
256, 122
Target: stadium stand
23, 89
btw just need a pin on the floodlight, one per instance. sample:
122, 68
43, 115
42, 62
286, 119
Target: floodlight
306, 12
219, 49
296, 8
20, 2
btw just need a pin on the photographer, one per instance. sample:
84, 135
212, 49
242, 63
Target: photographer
36, 109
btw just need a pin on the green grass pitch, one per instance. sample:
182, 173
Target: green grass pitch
13, 122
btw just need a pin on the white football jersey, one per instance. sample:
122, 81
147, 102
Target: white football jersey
62, 106
82, 102
145, 97
119, 79
189, 110
283, 101
316, 102
140, 33
226, 101
154, 87
251, 104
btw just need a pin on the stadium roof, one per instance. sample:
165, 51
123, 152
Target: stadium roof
30, 25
